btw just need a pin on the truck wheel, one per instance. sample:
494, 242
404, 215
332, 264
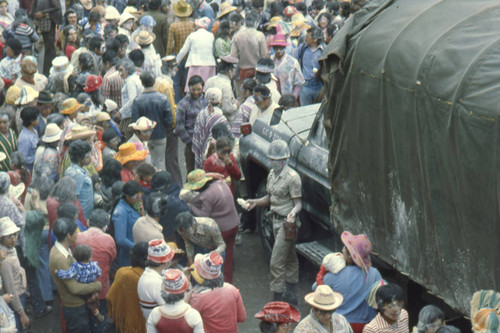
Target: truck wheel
264, 223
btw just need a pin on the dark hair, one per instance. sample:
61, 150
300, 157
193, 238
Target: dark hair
387, 294
64, 227
67, 210
145, 169
132, 187
331, 29
275, 9
263, 90
78, 149
333, 7
224, 30
15, 45
154, 4
110, 56
82, 252
110, 27
257, 4
194, 80
224, 67
184, 220
147, 79
223, 142
301, 7
65, 190
109, 135
251, 18
112, 44
155, 204
220, 130
139, 254
218, 282
86, 61
98, 218
448, 329
328, 16
249, 84
122, 39
317, 4
137, 57
110, 172
29, 114
66, 31
67, 13
235, 17
161, 181
215, 6
18, 160
55, 118
44, 185
287, 100
268, 327
95, 43
94, 16
171, 298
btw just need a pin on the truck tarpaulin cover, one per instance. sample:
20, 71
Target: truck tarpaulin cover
413, 123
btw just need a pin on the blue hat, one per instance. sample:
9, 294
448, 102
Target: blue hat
147, 20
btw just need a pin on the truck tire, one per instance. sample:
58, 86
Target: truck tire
264, 223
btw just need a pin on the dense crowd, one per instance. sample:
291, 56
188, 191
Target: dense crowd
94, 96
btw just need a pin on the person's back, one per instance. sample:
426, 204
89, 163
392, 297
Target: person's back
352, 283
221, 308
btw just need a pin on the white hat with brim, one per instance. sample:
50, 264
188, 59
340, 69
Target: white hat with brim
7, 227
52, 133
28, 95
17, 190
124, 17
60, 65
324, 298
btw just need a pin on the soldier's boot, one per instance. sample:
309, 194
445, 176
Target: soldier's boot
277, 297
289, 295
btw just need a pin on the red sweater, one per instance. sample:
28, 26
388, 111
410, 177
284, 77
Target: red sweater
214, 164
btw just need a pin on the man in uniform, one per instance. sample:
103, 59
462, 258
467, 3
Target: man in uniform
284, 192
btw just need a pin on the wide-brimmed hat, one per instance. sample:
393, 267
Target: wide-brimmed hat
273, 22
92, 83
207, 266
279, 312
27, 95
102, 116
143, 124
87, 4
79, 132
359, 248
7, 227
225, 8
15, 191
324, 298
144, 37
70, 105
279, 40
112, 13
229, 59
125, 16
147, 20
52, 133
182, 9
45, 97
159, 252
297, 19
61, 65
196, 179
128, 152
174, 282
203, 23
110, 105
12, 95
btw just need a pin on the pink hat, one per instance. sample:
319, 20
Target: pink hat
93, 83
290, 11
359, 247
279, 40
208, 266
174, 282
159, 251
279, 312
203, 23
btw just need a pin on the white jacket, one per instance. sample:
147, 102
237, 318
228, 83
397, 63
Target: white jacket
200, 45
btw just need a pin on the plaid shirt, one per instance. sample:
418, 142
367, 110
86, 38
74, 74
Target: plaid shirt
187, 111
177, 34
83, 273
112, 84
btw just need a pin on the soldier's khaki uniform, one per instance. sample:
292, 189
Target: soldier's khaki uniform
282, 189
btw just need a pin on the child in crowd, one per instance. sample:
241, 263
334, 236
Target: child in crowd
84, 271
144, 174
333, 263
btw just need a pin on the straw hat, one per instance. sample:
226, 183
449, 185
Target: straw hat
143, 124
359, 248
182, 9
159, 251
144, 37
124, 17
225, 8
274, 22
102, 116
279, 312
13, 94
112, 13
79, 132
203, 23
27, 95
7, 227
52, 133
127, 152
15, 191
196, 179
174, 282
70, 106
324, 298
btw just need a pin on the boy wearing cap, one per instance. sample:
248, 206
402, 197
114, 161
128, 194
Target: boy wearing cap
175, 315
149, 286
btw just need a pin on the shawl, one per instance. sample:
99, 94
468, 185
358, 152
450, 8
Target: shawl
33, 235
123, 301
7, 146
205, 121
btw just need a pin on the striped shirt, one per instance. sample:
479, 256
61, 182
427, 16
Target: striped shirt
187, 111
112, 84
380, 325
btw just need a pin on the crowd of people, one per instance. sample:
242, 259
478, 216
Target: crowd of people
94, 96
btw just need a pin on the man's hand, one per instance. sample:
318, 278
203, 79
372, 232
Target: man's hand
291, 217
227, 161
252, 203
25, 321
7, 298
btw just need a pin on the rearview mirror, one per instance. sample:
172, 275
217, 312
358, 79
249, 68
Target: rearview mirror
276, 118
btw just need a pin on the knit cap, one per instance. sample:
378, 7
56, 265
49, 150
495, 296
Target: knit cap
159, 251
174, 282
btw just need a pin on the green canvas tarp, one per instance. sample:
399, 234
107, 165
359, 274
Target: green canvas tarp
413, 121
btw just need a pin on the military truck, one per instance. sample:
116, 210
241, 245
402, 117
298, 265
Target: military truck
405, 145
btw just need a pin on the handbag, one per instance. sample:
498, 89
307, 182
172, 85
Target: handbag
290, 229
44, 24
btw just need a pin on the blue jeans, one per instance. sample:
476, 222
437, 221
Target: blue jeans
42, 271
19, 327
310, 92
79, 319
